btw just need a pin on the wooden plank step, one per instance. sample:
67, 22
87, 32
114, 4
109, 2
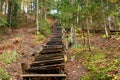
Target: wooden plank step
51, 51
54, 43
46, 67
46, 62
57, 32
42, 75
48, 57
53, 46
41, 70
55, 39
57, 28
56, 36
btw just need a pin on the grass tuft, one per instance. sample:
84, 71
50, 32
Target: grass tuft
3, 74
8, 57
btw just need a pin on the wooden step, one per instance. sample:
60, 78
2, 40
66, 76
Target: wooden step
56, 36
54, 43
53, 46
55, 39
46, 67
50, 55
41, 59
42, 75
41, 69
46, 62
51, 51
55, 30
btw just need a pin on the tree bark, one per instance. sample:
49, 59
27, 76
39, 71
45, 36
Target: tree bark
37, 22
72, 34
9, 16
88, 35
106, 31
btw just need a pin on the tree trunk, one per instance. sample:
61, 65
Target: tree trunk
37, 22
109, 23
6, 7
1, 4
9, 16
106, 31
88, 35
72, 34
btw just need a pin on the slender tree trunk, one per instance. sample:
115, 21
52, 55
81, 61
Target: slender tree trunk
35, 11
37, 22
109, 23
106, 31
1, 4
9, 16
88, 35
72, 34
6, 7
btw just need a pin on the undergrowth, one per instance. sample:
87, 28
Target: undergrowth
44, 27
8, 57
3, 74
100, 65
40, 37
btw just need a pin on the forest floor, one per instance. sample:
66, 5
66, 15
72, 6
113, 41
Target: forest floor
24, 42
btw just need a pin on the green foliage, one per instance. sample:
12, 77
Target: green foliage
40, 37
3, 21
3, 74
104, 36
96, 76
99, 64
44, 27
14, 7
54, 16
8, 57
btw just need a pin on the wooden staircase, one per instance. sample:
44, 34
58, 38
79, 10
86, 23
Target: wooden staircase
49, 64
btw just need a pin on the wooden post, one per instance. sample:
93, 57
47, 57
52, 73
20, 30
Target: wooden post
24, 67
